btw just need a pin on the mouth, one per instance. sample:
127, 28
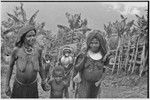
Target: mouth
31, 41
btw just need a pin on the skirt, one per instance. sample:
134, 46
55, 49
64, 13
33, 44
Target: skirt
87, 89
21, 90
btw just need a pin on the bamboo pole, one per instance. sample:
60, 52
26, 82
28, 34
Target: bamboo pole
123, 53
136, 53
120, 55
143, 60
116, 56
127, 53
132, 57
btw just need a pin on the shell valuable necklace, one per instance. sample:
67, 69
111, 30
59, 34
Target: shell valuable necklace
29, 50
66, 60
95, 56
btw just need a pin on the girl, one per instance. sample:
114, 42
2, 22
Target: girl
90, 65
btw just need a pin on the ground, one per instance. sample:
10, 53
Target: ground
112, 87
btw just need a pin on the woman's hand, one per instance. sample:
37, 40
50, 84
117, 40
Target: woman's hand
8, 91
77, 78
73, 90
45, 86
98, 83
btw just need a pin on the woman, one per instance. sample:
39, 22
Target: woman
27, 58
90, 65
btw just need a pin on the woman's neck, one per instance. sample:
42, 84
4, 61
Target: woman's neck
95, 56
28, 49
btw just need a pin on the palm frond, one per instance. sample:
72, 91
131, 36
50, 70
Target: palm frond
13, 17
31, 20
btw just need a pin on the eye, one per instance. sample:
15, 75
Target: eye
27, 36
92, 42
96, 42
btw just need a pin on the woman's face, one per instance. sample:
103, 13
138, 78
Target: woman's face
30, 37
94, 45
47, 57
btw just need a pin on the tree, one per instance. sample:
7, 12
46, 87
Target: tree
11, 26
142, 27
75, 32
121, 28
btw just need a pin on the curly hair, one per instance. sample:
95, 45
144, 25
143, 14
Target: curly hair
58, 71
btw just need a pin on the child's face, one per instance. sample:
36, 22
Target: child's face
94, 45
58, 78
47, 57
66, 54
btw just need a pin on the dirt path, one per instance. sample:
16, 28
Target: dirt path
111, 87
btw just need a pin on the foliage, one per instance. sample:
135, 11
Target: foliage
75, 33
119, 33
11, 26
127, 33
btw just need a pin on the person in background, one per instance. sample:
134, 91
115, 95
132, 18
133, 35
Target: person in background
48, 65
67, 61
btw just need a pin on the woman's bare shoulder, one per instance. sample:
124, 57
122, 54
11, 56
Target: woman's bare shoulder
15, 50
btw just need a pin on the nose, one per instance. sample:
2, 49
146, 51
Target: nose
94, 45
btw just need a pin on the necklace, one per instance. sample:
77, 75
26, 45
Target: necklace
95, 56
28, 50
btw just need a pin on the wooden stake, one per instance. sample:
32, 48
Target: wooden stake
136, 53
143, 60
116, 57
127, 53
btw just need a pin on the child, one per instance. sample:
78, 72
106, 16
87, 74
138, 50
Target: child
66, 61
59, 87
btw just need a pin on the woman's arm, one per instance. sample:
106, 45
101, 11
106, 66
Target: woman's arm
79, 62
11, 65
41, 71
102, 78
44, 84
107, 58
9, 72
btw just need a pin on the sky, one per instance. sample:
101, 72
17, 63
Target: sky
97, 13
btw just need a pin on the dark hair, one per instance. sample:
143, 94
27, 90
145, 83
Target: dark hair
58, 71
103, 44
22, 39
66, 51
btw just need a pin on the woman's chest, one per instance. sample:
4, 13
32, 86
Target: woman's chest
93, 64
22, 56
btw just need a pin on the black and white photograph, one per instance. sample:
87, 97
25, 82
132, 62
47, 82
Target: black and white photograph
74, 49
